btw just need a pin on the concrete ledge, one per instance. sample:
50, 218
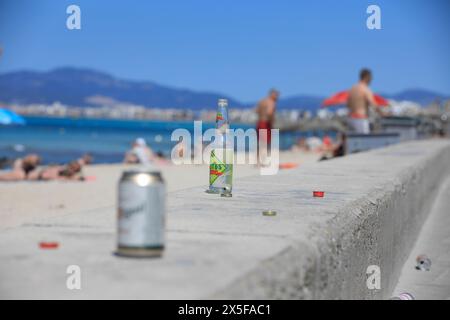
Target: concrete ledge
374, 205
379, 227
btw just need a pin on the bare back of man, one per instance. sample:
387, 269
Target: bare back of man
266, 110
359, 99
266, 113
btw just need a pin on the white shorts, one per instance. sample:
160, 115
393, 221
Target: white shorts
360, 125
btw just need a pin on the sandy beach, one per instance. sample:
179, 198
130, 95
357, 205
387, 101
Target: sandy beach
25, 202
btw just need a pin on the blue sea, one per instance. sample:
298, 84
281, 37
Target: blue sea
59, 140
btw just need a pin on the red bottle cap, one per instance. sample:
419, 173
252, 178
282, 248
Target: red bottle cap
48, 245
318, 194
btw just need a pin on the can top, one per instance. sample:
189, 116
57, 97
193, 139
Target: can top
137, 174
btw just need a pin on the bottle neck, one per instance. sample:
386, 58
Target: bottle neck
222, 118
223, 139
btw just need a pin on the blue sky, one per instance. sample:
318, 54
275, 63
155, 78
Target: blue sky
239, 48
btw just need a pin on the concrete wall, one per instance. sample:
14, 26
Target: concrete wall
377, 226
314, 248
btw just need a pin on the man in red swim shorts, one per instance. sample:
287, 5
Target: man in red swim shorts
266, 117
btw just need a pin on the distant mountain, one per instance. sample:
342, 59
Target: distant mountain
76, 87
85, 87
421, 96
304, 102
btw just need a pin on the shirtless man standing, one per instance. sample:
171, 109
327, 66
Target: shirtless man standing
266, 113
266, 117
360, 98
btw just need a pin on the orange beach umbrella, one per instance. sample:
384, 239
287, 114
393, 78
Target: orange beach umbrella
342, 97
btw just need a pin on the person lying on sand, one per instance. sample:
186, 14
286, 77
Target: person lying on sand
70, 171
22, 168
139, 153
300, 145
337, 149
85, 159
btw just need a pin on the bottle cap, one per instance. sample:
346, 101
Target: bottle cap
404, 296
318, 194
269, 213
48, 245
226, 192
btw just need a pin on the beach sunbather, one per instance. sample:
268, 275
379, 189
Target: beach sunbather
70, 171
85, 159
22, 168
300, 145
139, 153
337, 149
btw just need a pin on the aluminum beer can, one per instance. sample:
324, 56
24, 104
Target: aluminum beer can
141, 214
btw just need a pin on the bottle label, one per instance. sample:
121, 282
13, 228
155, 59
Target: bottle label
219, 116
220, 170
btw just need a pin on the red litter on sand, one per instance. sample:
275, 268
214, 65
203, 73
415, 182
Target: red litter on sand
318, 194
48, 245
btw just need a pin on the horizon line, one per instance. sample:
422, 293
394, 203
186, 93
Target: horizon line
168, 86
